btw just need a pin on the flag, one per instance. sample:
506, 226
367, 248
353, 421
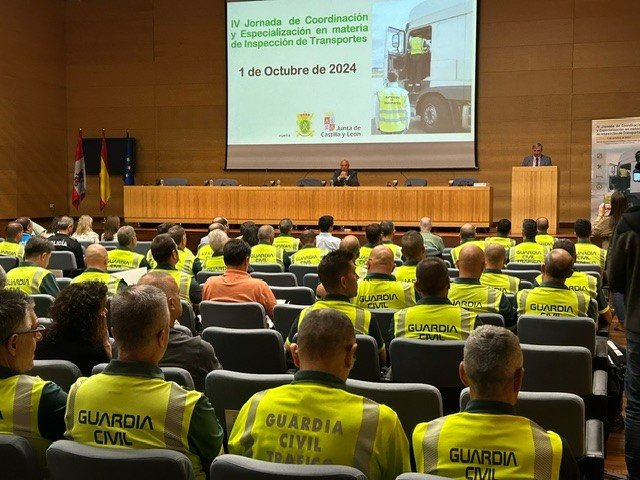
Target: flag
79, 175
105, 183
129, 171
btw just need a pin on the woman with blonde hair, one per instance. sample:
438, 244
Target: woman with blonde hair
84, 231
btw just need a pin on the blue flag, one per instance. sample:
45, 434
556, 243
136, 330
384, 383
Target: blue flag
129, 170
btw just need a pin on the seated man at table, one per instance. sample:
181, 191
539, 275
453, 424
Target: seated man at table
162, 413
455, 445
346, 429
345, 176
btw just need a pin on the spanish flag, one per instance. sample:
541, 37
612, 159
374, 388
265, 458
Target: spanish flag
105, 184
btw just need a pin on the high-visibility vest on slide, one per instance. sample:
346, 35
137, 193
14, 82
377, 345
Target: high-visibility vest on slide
109, 280
482, 445
140, 413
120, 259
416, 46
392, 113
27, 279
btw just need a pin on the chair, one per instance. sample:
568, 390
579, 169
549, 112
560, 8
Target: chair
491, 319
525, 284
228, 391
563, 413
238, 467
415, 182
8, 262
523, 266
225, 182
109, 244
248, 351
528, 275
63, 282
232, 315
295, 295
188, 317
176, 182
300, 270
62, 260
413, 402
43, 302
284, 316
203, 275
310, 182
277, 279
446, 255
571, 331
588, 267
419, 476
172, 374
266, 267
464, 182
453, 272
429, 361
311, 280
18, 459
61, 372
367, 364
69, 460
142, 247
385, 321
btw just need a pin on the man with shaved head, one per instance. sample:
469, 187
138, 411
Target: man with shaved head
495, 258
553, 297
308, 253
265, 251
542, 237
467, 292
96, 259
380, 289
413, 252
351, 244
11, 245
467, 237
430, 240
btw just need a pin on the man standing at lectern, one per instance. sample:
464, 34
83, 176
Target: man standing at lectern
537, 159
345, 177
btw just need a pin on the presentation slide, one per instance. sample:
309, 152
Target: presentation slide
386, 84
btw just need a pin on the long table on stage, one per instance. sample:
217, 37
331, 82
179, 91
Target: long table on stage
357, 206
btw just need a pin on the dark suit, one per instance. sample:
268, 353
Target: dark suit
350, 181
544, 161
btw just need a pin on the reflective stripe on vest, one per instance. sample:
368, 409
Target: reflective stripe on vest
247, 440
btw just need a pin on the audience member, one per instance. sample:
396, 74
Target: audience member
215, 261
284, 241
434, 317
492, 369
373, 234
204, 249
542, 237
84, 231
184, 351
32, 276
431, 240
62, 241
124, 257
218, 223
249, 233
529, 251
308, 253
78, 332
351, 244
135, 388
586, 251
187, 261
380, 289
111, 226
31, 407
503, 230
160, 229
608, 216
495, 257
388, 231
27, 229
95, 257
264, 251
348, 429
467, 292
12, 245
235, 284
467, 237
413, 251
325, 240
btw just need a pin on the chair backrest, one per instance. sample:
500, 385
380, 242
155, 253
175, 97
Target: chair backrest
453, 272
109, 244
528, 275
588, 267
188, 317
63, 282
232, 315
367, 364
420, 476
385, 321
266, 267
69, 460
429, 361
310, 182
202, 275
491, 319
284, 316
552, 368
176, 182
464, 182
300, 270
8, 262
225, 182
277, 279
142, 247
228, 391
171, 374
446, 255
563, 413
310, 280
62, 260
415, 182
42, 302
249, 351
18, 459
238, 467
62, 372
523, 266
545, 330
295, 295
413, 402
525, 284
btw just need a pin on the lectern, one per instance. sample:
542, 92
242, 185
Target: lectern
534, 193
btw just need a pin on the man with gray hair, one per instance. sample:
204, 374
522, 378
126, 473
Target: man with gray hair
162, 413
467, 237
285, 241
124, 257
450, 446
431, 240
214, 262
62, 241
265, 251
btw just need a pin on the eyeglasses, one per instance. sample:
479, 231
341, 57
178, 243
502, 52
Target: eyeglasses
39, 329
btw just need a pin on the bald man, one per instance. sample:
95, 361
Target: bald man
351, 244
495, 258
467, 237
553, 297
380, 289
11, 245
430, 240
467, 292
96, 259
